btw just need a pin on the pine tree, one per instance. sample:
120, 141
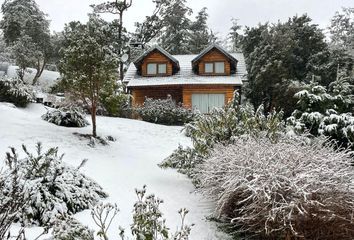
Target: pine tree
174, 37
235, 37
199, 34
89, 59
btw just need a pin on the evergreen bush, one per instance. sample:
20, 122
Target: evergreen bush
16, 92
51, 188
165, 111
66, 117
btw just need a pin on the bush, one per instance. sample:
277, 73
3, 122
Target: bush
281, 190
16, 92
51, 188
116, 104
66, 117
164, 111
222, 126
71, 229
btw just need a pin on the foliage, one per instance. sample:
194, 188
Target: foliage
16, 92
326, 112
11, 201
89, 60
51, 187
174, 37
183, 159
235, 37
66, 117
278, 58
164, 111
148, 222
26, 29
200, 36
223, 126
115, 101
69, 228
283, 190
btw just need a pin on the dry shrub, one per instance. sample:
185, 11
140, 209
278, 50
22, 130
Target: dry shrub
284, 190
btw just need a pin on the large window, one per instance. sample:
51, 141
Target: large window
156, 69
214, 68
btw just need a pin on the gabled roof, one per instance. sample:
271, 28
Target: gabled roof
186, 75
141, 58
211, 47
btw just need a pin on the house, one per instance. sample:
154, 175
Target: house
199, 82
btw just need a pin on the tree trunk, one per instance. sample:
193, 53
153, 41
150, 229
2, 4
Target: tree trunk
120, 30
93, 118
39, 72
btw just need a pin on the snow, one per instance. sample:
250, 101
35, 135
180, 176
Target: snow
186, 74
47, 79
119, 168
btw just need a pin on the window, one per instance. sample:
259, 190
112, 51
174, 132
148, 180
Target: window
214, 68
151, 69
156, 68
209, 68
219, 67
162, 68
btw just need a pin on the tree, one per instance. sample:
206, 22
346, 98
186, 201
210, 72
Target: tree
89, 59
199, 34
174, 37
342, 30
235, 37
151, 26
117, 7
22, 19
280, 59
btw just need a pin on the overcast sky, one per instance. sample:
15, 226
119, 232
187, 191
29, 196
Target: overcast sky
249, 12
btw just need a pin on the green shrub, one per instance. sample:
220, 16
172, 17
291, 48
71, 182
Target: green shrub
16, 92
165, 111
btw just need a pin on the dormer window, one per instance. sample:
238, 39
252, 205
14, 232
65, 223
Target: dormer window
214, 68
156, 69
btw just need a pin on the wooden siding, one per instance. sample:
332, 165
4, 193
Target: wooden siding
222, 89
139, 94
214, 56
156, 57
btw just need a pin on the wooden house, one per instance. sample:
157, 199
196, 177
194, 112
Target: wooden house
200, 82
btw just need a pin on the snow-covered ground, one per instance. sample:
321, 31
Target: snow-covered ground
119, 168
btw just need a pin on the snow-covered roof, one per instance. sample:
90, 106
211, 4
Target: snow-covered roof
211, 47
161, 50
186, 76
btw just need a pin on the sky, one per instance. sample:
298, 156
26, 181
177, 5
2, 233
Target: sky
249, 12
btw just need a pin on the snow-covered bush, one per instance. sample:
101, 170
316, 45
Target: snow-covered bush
16, 92
183, 159
51, 188
71, 229
283, 190
11, 200
164, 111
222, 126
67, 117
326, 112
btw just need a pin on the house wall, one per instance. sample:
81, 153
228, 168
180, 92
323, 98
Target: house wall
156, 57
214, 56
223, 89
181, 94
139, 94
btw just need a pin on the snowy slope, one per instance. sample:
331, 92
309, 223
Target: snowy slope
128, 163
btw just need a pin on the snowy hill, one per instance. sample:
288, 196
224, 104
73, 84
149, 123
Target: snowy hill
128, 163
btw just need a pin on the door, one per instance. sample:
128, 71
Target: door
205, 102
